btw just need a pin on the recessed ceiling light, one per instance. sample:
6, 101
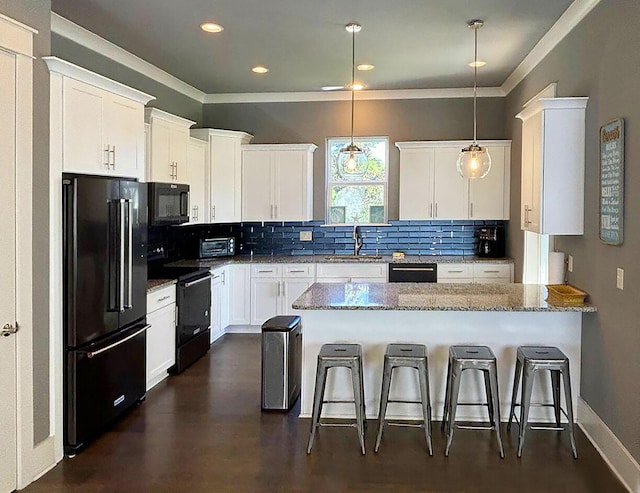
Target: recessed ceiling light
259, 69
211, 27
357, 86
353, 28
331, 88
477, 63
365, 67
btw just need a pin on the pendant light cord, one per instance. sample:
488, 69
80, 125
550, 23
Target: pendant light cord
475, 87
353, 79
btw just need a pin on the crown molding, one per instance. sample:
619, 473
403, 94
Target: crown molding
206, 133
577, 11
431, 144
300, 97
279, 147
18, 24
151, 113
78, 34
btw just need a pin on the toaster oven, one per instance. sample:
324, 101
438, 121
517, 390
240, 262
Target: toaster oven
216, 247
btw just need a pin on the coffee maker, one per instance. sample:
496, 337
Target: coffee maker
490, 242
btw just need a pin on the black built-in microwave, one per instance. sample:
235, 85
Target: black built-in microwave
168, 204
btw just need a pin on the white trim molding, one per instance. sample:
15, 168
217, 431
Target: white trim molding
279, 147
15, 23
151, 113
577, 11
310, 96
617, 457
78, 34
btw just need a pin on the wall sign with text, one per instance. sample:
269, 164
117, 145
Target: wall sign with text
612, 182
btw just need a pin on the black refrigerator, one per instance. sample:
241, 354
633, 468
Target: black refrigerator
105, 288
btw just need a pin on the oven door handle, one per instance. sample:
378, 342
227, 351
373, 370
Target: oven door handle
413, 269
189, 284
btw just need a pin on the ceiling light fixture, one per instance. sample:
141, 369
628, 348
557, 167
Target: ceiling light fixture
477, 63
356, 86
353, 162
211, 27
331, 88
474, 161
365, 67
259, 69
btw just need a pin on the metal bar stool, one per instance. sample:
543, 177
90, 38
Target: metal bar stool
471, 358
531, 359
408, 356
332, 356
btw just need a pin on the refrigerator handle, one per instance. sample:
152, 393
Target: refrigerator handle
114, 279
128, 301
121, 259
91, 354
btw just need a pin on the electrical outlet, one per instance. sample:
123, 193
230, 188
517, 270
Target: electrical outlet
306, 235
570, 263
620, 278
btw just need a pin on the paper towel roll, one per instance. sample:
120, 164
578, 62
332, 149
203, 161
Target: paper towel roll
556, 267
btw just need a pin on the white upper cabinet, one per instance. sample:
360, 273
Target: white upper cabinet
432, 188
102, 123
553, 160
169, 141
223, 173
196, 160
277, 182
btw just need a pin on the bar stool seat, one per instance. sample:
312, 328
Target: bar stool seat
463, 358
531, 359
332, 356
407, 356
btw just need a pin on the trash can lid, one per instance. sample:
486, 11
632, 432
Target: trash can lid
281, 323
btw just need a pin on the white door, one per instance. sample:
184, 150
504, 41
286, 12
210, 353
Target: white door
486, 195
8, 390
83, 121
239, 294
161, 343
265, 299
451, 191
293, 288
216, 305
196, 159
124, 120
416, 184
225, 179
257, 185
179, 141
290, 186
160, 168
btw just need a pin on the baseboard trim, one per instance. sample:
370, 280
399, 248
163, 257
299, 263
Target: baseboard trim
243, 329
617, 457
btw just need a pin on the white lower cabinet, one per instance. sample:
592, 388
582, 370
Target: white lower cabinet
352, 272
275, 287
219, 302
239, 294
161, 335
475, 272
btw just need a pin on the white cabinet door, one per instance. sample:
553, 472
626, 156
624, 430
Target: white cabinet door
416, 184
451, 190
531, 177
487, 198
83, 128
265, 299
224, 297
292, 289
239, 294
161, 343
257, 186
179, 142
290, 186
225, 179
161, 166
196, 159
216, 306
124, 130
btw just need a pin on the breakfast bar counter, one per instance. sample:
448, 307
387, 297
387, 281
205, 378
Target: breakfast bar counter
501, 316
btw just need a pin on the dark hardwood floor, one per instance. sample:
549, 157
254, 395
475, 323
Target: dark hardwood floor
203, 431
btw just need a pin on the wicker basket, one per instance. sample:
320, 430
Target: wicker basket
565, 294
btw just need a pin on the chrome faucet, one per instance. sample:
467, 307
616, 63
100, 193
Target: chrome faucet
357, 240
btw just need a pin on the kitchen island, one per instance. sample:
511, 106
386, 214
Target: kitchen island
373, 315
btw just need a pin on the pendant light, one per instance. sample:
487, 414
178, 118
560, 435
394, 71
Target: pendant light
474, 161
353, 162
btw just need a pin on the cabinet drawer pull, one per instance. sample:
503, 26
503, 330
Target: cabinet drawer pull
297, 271
455, 271
491, 271
265, 271
163, 298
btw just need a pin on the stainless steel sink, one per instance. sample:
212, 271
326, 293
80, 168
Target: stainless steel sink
352, 258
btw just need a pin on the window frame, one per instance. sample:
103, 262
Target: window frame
329, 183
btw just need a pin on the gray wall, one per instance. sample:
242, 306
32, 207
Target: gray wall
36, 14
400, 120
600, 58
166, 98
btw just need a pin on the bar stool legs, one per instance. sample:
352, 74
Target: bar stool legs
471, 358
529, 360
331, 356
409, 356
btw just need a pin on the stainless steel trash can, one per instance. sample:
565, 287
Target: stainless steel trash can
281, 362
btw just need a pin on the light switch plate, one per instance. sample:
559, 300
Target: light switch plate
306, 235
570, 263
619, 278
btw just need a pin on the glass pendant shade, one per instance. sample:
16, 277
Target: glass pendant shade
474, 162
353, 162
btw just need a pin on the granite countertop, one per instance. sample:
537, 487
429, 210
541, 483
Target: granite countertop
155, 284
431, 297
336, 259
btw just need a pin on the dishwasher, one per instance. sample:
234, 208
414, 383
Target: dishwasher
402, 272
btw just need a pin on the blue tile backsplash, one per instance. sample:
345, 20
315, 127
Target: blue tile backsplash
410, 237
